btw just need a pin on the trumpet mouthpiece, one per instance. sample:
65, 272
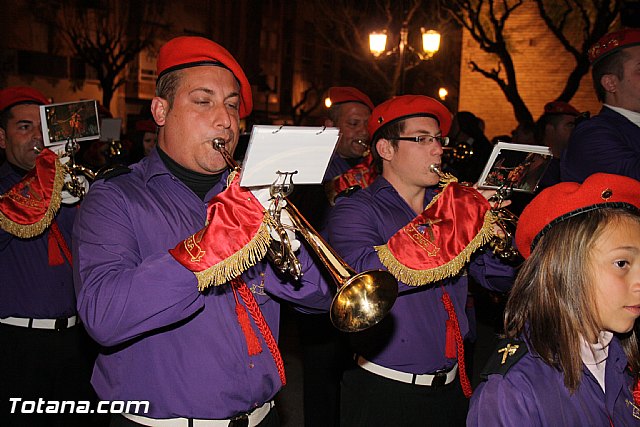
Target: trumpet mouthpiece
37, 149
362, 142
435, 168
218, 143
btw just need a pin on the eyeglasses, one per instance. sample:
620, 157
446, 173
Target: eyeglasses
424, 139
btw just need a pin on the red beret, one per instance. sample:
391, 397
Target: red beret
20, 95
559, 107
146, 126
568, 199
186, 51
613, 42
340, 94
406, 106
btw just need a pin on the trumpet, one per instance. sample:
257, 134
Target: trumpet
76, 175
362, 300
502, 246
363, 143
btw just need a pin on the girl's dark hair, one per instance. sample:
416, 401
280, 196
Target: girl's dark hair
552, 302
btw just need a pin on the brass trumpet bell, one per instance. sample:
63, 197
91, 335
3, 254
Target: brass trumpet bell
363, 301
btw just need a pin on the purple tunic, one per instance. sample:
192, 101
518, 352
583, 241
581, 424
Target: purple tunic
29, 286
608, 142
532, 393
412, 337
181, 349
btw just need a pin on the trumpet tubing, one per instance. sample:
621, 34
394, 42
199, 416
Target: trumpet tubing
363, 299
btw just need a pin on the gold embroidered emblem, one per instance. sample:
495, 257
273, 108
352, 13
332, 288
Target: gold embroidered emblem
193, 248
634, 408
425, 242
507, 351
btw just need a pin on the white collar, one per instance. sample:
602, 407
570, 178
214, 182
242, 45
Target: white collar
633, 116
593, 354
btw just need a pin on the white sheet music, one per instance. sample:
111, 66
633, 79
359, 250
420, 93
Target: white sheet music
306, 150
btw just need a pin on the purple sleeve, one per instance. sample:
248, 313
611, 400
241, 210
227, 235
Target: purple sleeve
312, 294
491, 273
499, 402
120, 294
353, 233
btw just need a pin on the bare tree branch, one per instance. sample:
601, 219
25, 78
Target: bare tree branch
486, 27
106, 38
594, 18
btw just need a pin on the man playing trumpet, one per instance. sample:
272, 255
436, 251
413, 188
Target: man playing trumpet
171, 277
409, 369
45, 350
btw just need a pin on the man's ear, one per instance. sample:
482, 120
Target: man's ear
609, 82
385, 149
159, 110
3, 139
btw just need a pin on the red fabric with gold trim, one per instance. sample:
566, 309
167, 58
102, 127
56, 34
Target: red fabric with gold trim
362, 174
439, 242
441, 231
28, 201
235, 238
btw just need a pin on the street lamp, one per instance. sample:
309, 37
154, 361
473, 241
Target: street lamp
430, 45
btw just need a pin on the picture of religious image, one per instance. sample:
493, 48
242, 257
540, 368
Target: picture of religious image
517, 166
69, 121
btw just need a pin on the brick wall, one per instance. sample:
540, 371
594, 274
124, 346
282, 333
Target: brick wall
542, 66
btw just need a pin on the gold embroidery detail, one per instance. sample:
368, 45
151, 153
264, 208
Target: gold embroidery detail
634, 408
507, 351
26, 231
426, 243
236, 264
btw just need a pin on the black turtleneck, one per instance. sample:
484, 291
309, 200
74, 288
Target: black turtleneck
199, 183
17, 169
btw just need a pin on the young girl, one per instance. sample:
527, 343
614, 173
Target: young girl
570, 356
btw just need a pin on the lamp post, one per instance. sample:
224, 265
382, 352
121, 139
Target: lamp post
430, 45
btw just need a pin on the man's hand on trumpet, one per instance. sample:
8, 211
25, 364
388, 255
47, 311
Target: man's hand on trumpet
275, 208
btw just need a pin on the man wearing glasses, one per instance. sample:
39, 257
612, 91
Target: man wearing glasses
409, 369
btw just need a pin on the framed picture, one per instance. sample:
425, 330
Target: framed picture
518, 166
69, 121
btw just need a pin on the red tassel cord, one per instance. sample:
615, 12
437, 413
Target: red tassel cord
56, 243
454, 343
253, 344
258, 318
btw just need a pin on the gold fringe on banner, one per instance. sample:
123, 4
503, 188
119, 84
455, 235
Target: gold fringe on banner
26, 231
240, 261
424, 277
